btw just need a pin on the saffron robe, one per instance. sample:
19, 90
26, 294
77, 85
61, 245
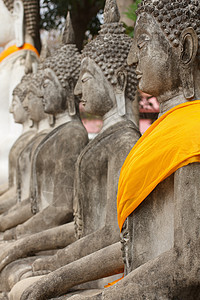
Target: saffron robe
169, 143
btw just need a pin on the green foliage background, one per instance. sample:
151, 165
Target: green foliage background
131, 14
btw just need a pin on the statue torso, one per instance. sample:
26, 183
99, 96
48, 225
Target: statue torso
97, 173
149, 230
54, 165
24, 166
14, 153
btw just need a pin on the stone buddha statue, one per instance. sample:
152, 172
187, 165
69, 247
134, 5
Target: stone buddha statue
107, 85
20, 212
18, 35
159, 217
20, 116
53, 165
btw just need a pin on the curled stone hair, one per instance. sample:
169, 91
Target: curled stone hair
173, 17
31, 11
21, 89
65, 62
110, 49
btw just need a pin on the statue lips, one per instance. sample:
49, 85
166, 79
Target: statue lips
43, 102
139, 74
83, 102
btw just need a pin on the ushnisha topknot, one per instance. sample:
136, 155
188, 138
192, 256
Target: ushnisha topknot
110, 49
65, 61
174, 16
31, 10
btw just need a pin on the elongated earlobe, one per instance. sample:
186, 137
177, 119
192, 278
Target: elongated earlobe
18, 14
189, 48
121, 76
71, 98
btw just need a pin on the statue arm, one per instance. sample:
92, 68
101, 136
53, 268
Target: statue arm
50, 239
7, 200
187, 210
3, 188
80, 248
14, 217
49, 217
100, 264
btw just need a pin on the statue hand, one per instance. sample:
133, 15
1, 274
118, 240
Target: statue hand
42, 266
34, 292
10, 234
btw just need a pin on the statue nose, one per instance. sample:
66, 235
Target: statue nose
11, 109
133, 55
78, 88
25, 102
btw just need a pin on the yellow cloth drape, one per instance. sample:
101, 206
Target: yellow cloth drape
14, 48
171, 142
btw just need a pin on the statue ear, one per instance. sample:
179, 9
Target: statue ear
121, 76
189, 48
71, 98
18, 14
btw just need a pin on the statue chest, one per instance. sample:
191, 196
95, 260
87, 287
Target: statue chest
92, 185
15, 151
24, 166
149, 230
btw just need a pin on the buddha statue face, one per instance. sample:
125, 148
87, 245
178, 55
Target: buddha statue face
97, 93
54, 100
157, 61
6, 25
165, 48
20, 115
33, 104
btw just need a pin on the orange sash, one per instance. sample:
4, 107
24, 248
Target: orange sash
14, 48
169, 143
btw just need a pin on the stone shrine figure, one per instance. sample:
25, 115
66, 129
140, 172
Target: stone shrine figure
107, 86
161, 236
53, 163
21, 211
18, 33
22, 117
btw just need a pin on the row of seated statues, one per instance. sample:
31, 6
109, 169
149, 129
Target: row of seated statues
68, 198
19, 33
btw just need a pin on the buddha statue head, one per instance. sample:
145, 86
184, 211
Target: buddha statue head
18, 21
33, 97
166, 48
105, 79
60, 74
20, 115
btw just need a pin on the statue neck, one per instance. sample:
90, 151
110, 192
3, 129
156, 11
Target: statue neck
43, 125
26, 126
28, 40
62, 118
172, 99
169, 103
112, 117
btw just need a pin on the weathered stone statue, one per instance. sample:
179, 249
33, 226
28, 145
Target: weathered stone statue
107, 86
161, 228
18, 32
20, 212
28, 131
53, 165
